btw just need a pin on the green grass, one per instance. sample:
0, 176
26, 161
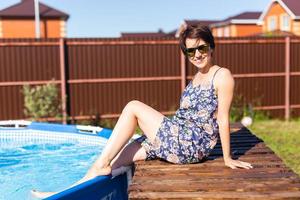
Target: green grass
283, 138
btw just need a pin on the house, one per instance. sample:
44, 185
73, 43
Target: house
18, 21
281, 16
243, 24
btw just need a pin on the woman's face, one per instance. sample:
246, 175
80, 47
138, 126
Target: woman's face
200, 56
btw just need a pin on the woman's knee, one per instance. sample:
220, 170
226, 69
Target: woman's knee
132, 105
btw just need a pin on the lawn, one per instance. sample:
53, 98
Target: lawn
283, 138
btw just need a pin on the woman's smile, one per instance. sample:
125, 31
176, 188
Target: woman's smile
199, 60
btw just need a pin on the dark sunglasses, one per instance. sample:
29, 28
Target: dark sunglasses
203, 49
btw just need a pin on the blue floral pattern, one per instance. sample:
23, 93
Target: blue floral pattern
192, 132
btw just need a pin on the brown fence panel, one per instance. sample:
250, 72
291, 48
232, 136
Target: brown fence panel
295, 95
251, 55
24, 61
261, 90
28, 60
11, 101
99, 60
295, 54
295, 78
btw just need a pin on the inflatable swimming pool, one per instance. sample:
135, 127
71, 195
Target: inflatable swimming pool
49, 157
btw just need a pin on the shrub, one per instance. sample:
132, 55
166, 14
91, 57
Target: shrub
41, 101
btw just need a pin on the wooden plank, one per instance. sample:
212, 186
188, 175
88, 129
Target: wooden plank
199, 195
229, 186
289, 180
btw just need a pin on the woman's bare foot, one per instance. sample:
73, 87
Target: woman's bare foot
95, 171
41, 195
101, 167
92, 173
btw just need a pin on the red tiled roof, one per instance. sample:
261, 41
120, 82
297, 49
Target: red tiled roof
293, 5
203, 22
172, 33
244, 15
25, 9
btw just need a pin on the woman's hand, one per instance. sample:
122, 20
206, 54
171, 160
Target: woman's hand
233, 164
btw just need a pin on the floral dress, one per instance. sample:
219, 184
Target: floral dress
192, 132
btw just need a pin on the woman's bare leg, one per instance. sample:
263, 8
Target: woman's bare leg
135, 113
112, 157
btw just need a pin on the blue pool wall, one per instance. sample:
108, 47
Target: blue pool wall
102, 187
65, 128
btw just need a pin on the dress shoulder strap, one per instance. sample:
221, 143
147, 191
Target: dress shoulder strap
212, 81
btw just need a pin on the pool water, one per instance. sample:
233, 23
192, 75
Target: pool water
43, 166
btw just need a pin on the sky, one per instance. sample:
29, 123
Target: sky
108, 18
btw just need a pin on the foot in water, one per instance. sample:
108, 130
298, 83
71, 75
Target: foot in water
90, 175
41, 195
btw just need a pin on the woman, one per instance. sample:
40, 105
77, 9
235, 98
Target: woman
193, 131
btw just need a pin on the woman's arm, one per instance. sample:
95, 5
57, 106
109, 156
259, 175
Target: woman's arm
224, 83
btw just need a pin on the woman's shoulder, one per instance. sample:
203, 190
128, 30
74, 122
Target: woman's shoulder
223, 76
222, 70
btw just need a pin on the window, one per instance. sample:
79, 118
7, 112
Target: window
272, 23
220, 32
226, 32
285, 22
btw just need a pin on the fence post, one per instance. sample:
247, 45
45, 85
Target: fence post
182, 71
63, 79
287, 78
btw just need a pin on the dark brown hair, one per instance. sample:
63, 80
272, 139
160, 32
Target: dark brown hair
196, 32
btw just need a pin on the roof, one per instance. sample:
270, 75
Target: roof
292, 7
203, 22
242, 18
25, 9
172, 33
159, 34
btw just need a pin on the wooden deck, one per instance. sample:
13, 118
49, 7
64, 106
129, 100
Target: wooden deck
269, 179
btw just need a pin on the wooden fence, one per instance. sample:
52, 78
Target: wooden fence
99, 76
